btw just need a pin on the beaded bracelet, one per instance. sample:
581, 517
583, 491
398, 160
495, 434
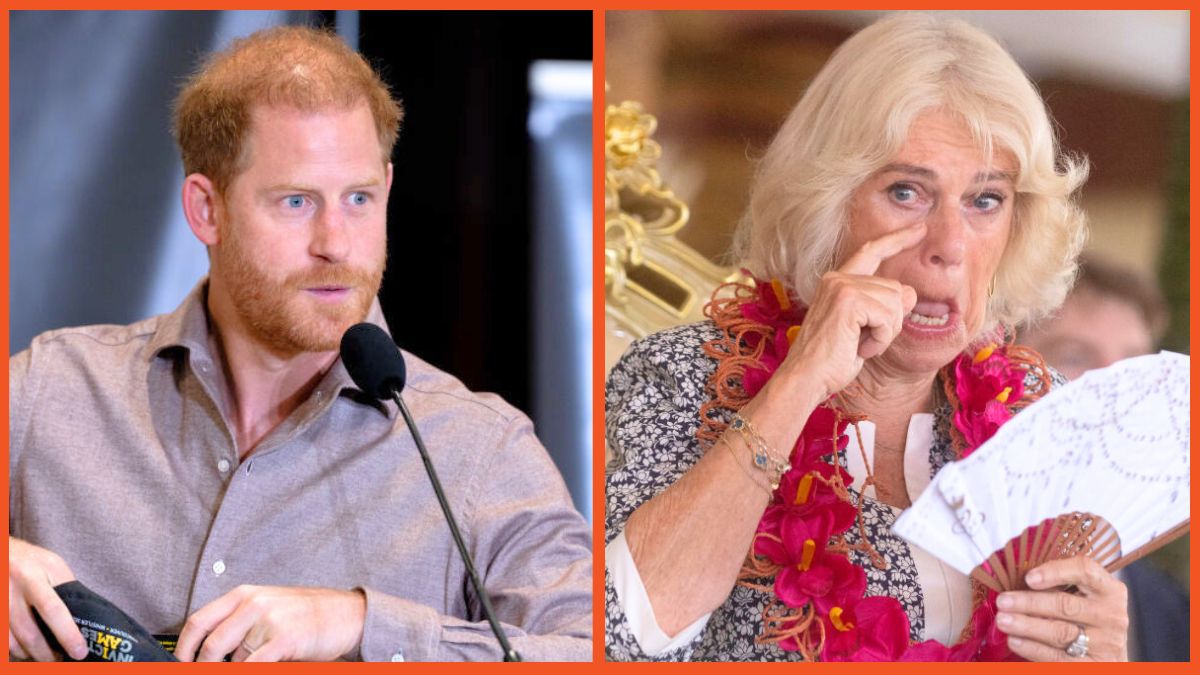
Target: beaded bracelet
764, 459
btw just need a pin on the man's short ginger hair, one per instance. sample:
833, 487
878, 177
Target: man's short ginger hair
298, 67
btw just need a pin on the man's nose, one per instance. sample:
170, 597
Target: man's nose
330, 240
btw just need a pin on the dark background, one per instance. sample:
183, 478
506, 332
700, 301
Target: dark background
460, 216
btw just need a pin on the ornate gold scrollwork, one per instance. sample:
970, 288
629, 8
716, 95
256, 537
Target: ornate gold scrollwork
652, 280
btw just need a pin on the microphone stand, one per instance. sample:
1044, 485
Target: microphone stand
510, 654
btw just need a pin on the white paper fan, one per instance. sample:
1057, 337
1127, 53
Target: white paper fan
1100, 466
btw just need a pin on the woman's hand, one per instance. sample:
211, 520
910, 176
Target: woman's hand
854, 315
1042, 623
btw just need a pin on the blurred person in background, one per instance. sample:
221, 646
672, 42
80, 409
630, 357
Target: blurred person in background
1114, 313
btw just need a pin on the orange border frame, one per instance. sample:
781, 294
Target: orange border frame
598, 7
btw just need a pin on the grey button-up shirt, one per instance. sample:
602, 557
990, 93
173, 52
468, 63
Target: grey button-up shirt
122, 461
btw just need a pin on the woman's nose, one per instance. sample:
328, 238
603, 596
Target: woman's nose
945, 242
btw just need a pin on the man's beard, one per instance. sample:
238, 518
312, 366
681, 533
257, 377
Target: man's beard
275, 309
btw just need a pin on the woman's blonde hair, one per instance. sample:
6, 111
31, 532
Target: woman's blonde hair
853, 119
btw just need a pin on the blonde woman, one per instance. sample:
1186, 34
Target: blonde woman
913, 207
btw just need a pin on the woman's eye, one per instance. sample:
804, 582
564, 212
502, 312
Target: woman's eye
359, 199
904, 194
988, 202
294, 201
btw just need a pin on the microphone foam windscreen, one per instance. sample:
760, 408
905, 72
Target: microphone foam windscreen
373, 360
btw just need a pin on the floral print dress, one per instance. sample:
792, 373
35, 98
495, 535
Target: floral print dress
652, 402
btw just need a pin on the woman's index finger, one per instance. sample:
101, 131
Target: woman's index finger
866, 260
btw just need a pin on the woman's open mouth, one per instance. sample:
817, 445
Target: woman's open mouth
930, 314
924, 320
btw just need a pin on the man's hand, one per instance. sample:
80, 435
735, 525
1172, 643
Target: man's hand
272, 623
33, 572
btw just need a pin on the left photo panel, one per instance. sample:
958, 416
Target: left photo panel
300, 336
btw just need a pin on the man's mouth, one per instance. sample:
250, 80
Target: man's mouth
328, 291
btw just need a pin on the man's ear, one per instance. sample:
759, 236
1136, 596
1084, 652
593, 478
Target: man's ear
388, 191
200, 206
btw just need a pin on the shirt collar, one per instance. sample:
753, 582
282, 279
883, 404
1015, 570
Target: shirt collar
187, 329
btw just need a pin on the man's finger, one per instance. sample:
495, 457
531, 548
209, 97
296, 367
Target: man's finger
203, 621
240, 654
230, 635
15, 652
271, 652
58, 618
867, 259
262, 639
23, 628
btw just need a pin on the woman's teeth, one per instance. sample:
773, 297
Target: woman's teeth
928, 320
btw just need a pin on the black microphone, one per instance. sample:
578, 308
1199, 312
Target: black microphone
377, 367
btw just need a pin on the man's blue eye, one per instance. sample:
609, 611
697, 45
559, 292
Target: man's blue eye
294, 201
358, 198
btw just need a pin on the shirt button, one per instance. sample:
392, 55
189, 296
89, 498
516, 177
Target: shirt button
223, 465
398, 657
320, 395
219, 567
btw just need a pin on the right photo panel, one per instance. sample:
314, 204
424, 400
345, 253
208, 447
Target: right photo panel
897, 336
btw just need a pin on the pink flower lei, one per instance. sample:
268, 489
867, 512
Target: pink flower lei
819, 606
